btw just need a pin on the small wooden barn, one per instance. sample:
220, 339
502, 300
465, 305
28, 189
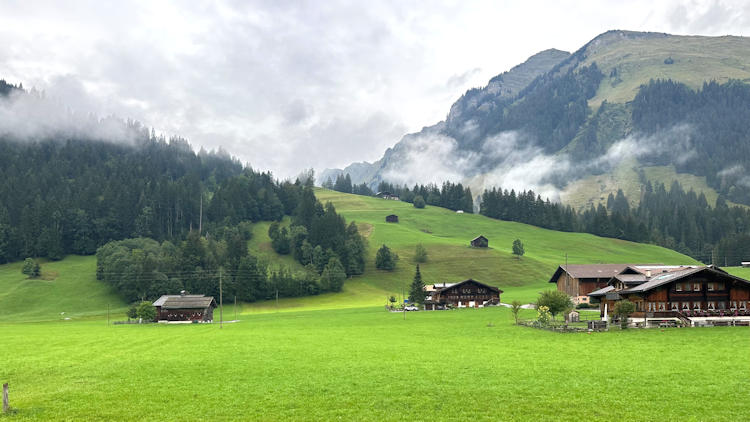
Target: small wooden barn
387, 195
185, 307
393, 218
480, 242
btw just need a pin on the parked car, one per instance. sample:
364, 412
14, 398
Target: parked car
412, 308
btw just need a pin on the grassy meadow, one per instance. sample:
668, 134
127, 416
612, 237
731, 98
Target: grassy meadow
341, 356
367, 364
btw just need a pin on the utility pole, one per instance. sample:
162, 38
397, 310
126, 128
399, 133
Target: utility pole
221, 303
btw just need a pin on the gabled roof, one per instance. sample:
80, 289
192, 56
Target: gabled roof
448, 285
479, 237
589, 271
185, 302
601, 292
669, 277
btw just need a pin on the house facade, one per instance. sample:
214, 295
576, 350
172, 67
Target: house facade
465, 294
185, 307
393, 218
690, 294
577, 281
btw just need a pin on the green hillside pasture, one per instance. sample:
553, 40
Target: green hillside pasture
446, 235
696, 60
368, 364
68, 286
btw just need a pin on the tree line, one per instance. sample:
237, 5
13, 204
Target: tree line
673, 218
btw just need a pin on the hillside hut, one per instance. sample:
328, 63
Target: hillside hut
387, 195
393, 218
185, 307
480, 242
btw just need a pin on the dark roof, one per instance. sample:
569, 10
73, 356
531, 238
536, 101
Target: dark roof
448, 285
589, 271
669, 277
391, 215
601, 292
478, 237
185, 302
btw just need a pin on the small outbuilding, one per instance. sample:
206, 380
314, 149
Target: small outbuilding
387, 195
393, 218
480, 242
185, 307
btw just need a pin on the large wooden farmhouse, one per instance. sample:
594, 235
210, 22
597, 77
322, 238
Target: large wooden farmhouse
184, 307
580, 280
465, 294
690, 294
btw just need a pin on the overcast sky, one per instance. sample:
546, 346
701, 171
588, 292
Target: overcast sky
292, 85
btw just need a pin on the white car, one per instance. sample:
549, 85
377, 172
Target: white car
411, 308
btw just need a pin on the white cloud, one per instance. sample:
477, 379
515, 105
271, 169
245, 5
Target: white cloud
339, 81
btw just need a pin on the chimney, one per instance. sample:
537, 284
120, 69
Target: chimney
648, 273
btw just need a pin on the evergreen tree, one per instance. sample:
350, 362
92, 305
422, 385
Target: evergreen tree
416, 290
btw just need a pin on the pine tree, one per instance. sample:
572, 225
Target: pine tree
416, 290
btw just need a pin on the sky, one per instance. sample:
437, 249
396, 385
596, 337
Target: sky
285, 86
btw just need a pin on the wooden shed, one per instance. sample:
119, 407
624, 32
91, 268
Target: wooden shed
185, 307
480, 242
393, 218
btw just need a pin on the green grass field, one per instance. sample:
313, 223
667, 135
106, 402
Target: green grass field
368, 364
341, 356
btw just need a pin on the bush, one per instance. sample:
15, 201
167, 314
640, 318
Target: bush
419, 202
31, 268
420, 253
146, 311
623, 308
587, 306
555, 301
385, 259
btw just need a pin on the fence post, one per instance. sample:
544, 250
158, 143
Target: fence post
6, 406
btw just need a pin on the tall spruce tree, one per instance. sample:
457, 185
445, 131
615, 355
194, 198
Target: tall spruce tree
416, 290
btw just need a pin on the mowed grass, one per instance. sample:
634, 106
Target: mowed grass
368, 364
446, 235
67, 289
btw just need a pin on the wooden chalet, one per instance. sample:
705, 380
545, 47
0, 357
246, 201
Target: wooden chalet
480, 242
689, 294
580, 280
185, 307
393, 218
465, 294
387, 195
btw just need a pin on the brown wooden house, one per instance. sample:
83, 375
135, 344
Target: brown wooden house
393, 218
465, 294
184, 307
691, 294
480, 242
580, 280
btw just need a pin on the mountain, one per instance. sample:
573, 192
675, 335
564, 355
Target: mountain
575, 127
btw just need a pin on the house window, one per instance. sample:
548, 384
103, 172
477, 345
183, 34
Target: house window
675, 306
481, 290
710, 287
733, 305
697, 306
678, 287
696, 287
719, 286
711, 306
743, 305
466, 290
651, 306
662, 306
685, 306
722, 305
